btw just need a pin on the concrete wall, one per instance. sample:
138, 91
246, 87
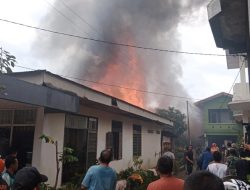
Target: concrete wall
53, 126
36, 155
151, 142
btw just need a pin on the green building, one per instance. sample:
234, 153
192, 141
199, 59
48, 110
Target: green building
218, 124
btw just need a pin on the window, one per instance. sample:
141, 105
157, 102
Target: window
136, 140
80, 134
92, 141
117, 139
17, 130
114, 140
219, 116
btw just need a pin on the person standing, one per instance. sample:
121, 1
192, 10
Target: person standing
100, 177
166, 181
206, 158
217, 167
11, 164
231, 162
189, 159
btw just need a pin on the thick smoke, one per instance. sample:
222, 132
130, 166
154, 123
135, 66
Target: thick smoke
151, 23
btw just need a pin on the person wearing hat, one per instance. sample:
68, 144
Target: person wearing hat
28, 178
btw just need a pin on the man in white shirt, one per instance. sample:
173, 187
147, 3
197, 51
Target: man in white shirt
217, 167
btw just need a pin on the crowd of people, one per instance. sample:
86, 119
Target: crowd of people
215, 171
27, 178
229, 161
224, 169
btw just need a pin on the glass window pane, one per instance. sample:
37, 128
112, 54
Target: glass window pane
136, 140
4, 140
5, 116
76, 122
24, 117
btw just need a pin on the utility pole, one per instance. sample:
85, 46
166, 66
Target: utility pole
189, 138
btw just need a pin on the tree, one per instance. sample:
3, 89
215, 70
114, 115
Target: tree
7, 61
177, 117
64, 157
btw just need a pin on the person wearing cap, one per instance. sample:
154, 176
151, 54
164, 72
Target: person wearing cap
100, 177
11, 164
28, 178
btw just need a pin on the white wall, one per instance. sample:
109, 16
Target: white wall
151, 142
53, 126
36, 156
151, 145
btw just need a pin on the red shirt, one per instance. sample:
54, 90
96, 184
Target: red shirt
2, 165
166, 183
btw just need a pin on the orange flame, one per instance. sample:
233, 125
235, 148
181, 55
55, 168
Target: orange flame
125, 72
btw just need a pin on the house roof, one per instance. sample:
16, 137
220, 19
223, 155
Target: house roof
46, 78
221, 94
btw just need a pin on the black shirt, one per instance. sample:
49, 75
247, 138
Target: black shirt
189, 154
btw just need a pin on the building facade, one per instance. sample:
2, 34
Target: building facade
39, 102
229, 21
218, 122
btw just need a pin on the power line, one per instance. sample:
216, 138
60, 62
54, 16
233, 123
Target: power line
85, 22
113, 85
232, 85
116, 43
62, 14
138, 90
77, 15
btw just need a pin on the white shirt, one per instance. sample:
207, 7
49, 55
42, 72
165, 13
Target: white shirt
218, 169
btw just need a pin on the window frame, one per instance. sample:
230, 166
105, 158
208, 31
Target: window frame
137, 140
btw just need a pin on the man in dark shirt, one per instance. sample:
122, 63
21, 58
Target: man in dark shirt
189, 160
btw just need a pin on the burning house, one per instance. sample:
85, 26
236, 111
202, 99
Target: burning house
39, 102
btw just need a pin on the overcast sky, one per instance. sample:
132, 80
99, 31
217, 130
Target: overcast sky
202, 76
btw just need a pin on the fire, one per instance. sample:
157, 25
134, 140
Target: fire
124, 70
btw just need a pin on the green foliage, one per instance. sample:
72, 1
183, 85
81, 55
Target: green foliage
137, 178
177, 117
68, 186
7, 61
47, 139
65, 157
